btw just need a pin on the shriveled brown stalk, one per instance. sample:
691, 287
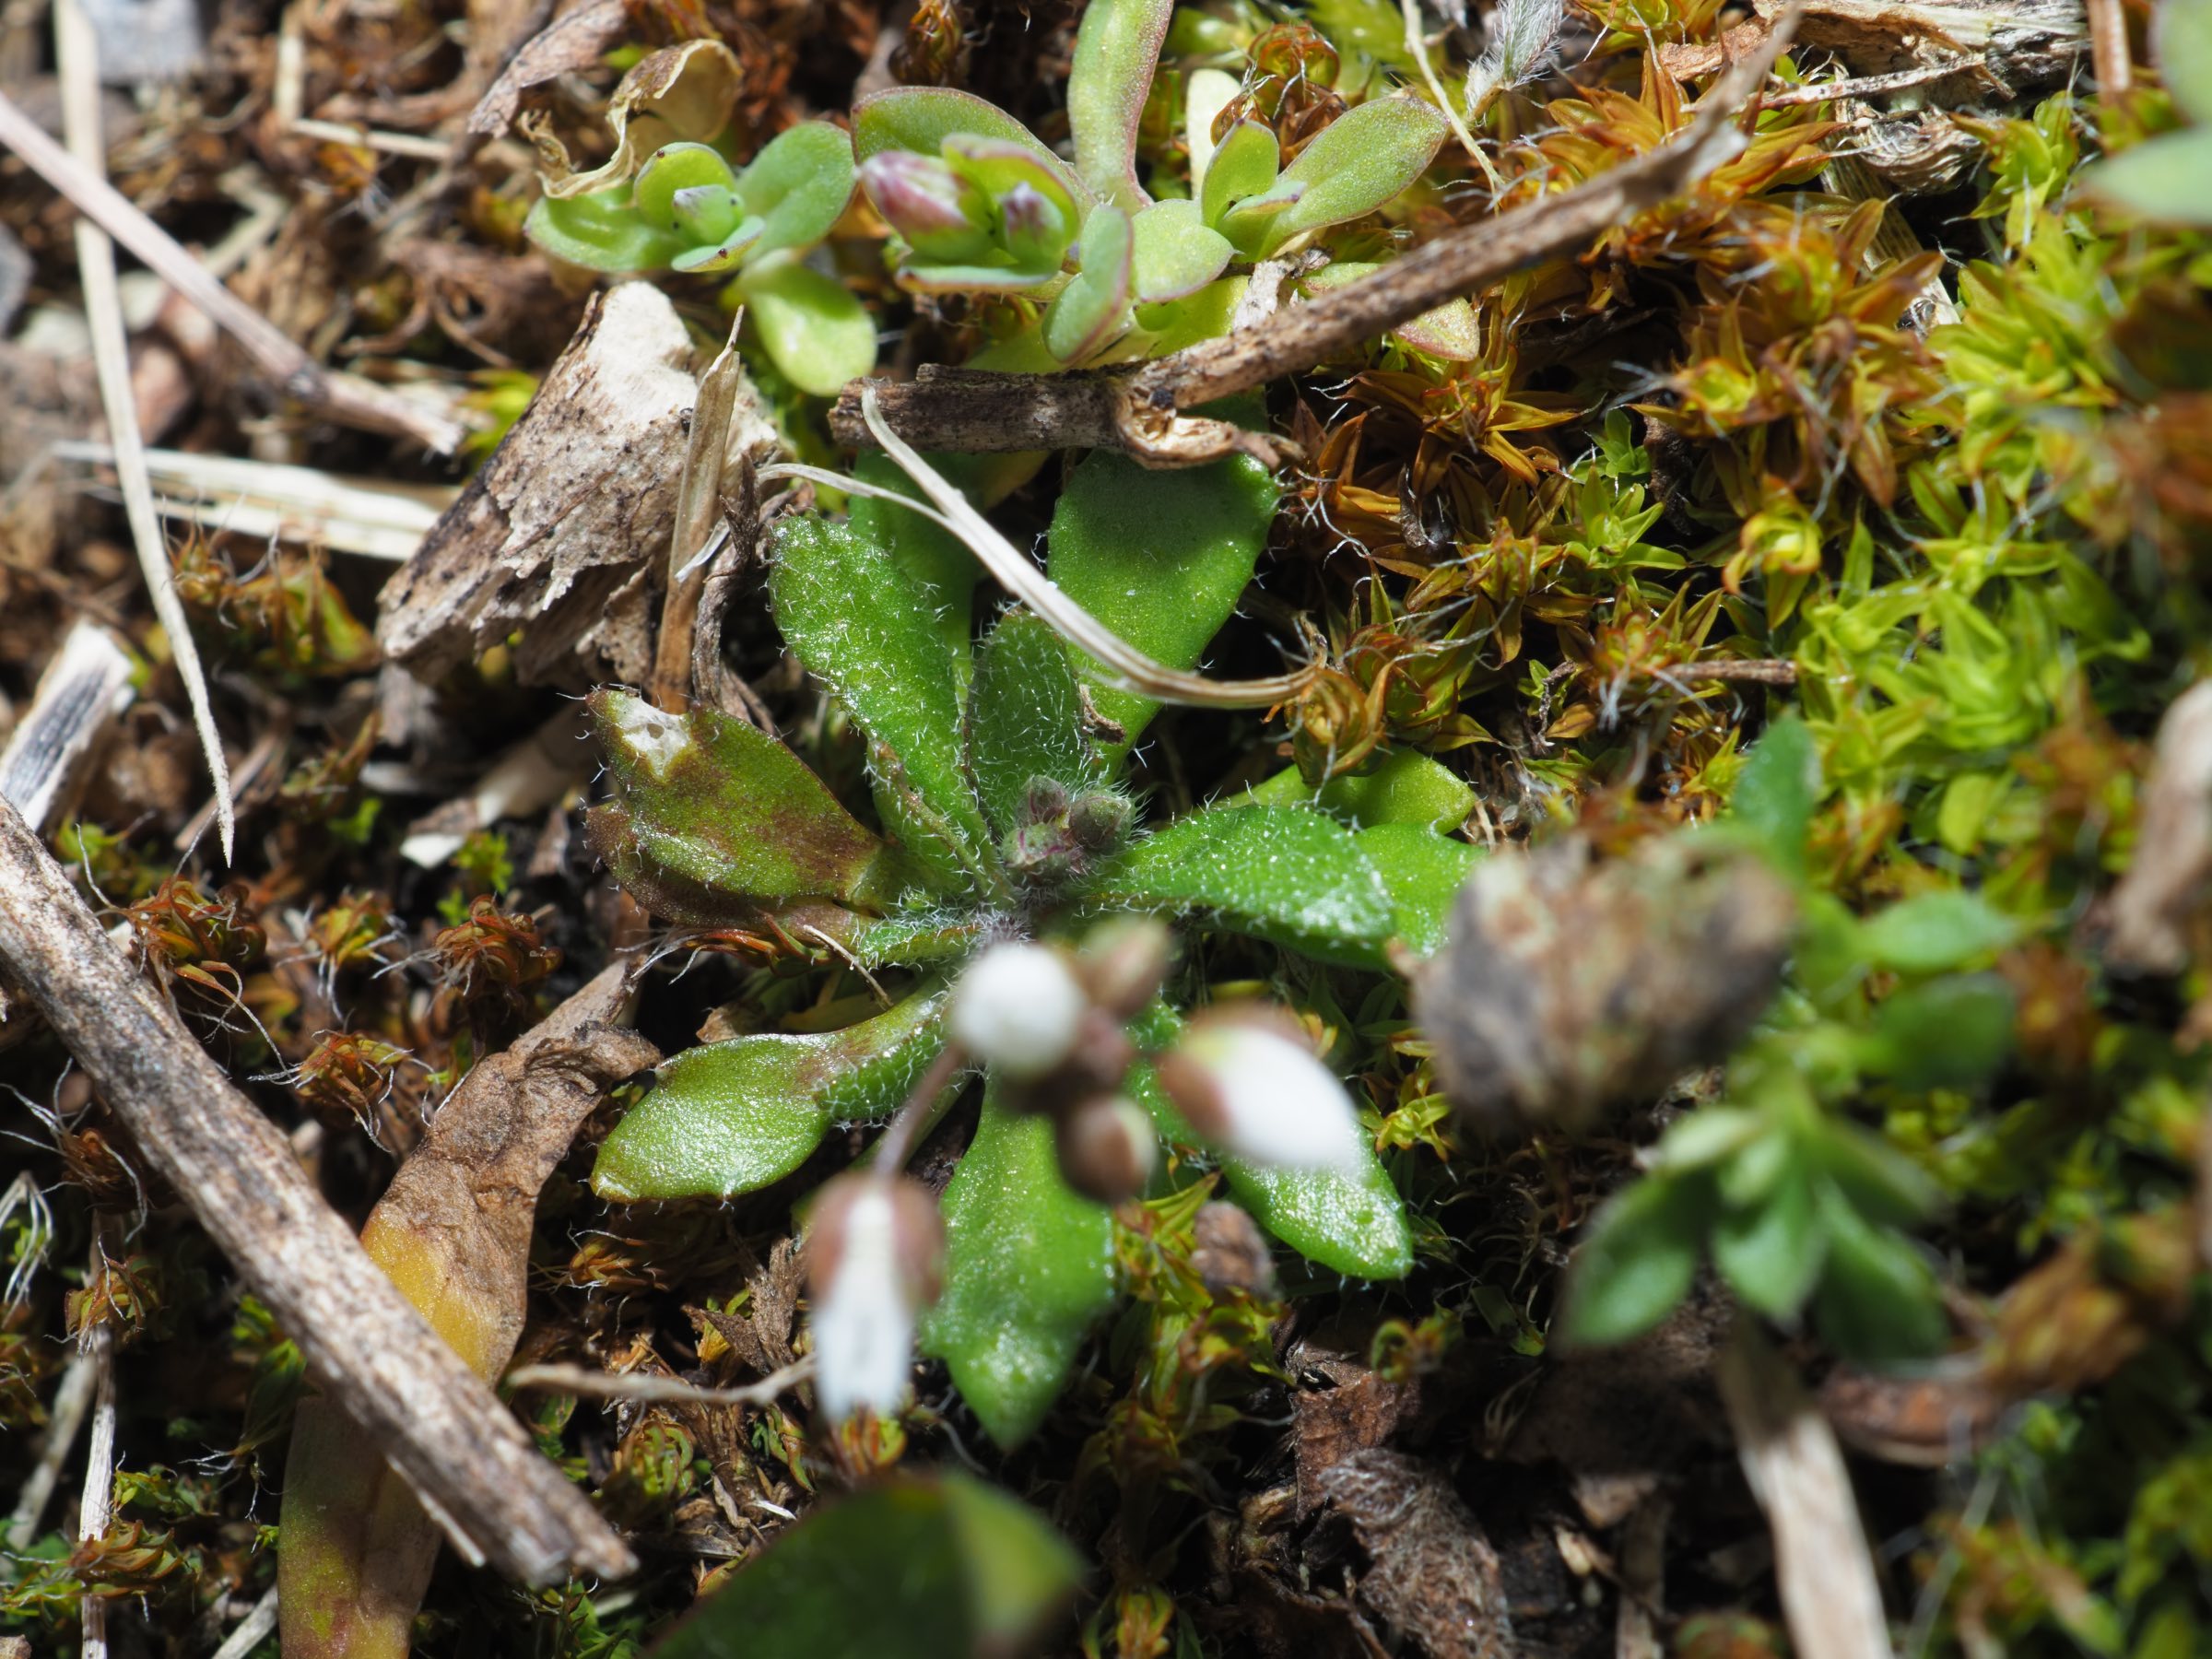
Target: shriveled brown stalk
418, 1404
1139, 410
345, 398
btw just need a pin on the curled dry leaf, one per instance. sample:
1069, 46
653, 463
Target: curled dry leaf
561, 534
1566, 987
575, 41
454, 1232
681, 92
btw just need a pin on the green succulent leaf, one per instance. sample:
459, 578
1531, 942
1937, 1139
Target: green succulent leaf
731, 1117
731, 808
1404, 787
1173, 253
674, 183
599, 231
1094, 307
1777, 790
1950, 1033
1285, 874
1028, 1270
1359, 161
814, 328
1639, 1261
1771, 1253
1933, 932
1877, 1300
1423, 872
2182, 40
1243, 166
2161, 177
975, 1573
1158, 556
887, 662
798, 186
1025, 719
1117, 48
921, 118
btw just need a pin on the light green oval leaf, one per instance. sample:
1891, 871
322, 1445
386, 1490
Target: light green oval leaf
1173, 253
799, 185
1360, 161
1777, 790
1936, 932
599, 231
1877, 1302
1117, 48
1093, 309
815, 329
1245, 164
1404, 787
731, 1117
1029, 1271
1285, 874
2161, 177
1771, 1254
1639, 1261
2182, 41
921, 118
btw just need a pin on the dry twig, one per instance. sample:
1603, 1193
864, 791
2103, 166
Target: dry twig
1139, 410
465, 1456
345, 398
77, 49
1823, 1567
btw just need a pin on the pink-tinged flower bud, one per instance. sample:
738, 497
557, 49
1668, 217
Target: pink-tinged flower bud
875, 1252
1248, 1084
1034, 230
1107, 1149
941, 215
1019, 1009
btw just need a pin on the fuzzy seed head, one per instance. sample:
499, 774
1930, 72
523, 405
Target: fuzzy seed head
1254, 1088
1019, 1009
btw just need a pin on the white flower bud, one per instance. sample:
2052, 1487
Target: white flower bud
1019, 1009
1253, 1088
874, 1250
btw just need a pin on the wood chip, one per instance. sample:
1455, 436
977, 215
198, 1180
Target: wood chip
84, 691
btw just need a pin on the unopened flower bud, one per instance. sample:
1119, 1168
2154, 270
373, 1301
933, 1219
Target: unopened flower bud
705, 213
875, 1252
1107, 1147
1254, 1088
1100, 821
941, 215
1019, 1009
1123, 963
1033, 229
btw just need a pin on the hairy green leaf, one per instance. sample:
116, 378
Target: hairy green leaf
1285, 874
726, 807
1361, 160
1028, 1270
1404, 787
887, 661
1025, 719
731, 1117
1423, 872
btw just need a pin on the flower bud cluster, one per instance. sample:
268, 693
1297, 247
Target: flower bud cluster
983, 214
1058, 835
1051, 1026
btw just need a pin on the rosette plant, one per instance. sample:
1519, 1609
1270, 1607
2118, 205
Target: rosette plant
980, 205
672, 197
997, 771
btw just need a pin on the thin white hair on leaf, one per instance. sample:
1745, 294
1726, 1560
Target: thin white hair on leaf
1124, 665
1522, 31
